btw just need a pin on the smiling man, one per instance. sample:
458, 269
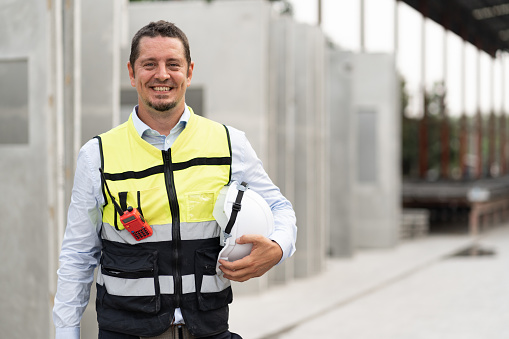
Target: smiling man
142, 211
161, 74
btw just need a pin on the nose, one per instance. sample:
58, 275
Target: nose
162, 72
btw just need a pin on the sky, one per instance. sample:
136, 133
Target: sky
466, 89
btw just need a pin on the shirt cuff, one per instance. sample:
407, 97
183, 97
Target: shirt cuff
67, 333
286, 247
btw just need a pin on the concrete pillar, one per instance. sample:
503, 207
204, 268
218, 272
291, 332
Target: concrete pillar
376, 178
320, 160
308, 147
100, 67
100, 101
281, 121
340, 134
28, 93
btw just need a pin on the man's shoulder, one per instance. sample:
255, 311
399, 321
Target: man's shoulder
236, 133
89, 155
90, 146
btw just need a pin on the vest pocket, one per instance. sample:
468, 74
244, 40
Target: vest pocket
200, 206
213, 291
131, 282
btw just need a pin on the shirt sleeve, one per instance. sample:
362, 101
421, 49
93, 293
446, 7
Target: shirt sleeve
246, 166
67, 333
81, 246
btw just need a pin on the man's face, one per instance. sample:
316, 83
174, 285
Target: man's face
161, 75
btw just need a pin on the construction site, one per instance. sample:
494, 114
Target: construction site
400, 187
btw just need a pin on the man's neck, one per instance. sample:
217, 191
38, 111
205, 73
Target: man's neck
162, 122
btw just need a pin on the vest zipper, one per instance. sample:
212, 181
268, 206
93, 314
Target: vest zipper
175, 223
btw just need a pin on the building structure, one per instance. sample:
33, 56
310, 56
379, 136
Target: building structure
302, 102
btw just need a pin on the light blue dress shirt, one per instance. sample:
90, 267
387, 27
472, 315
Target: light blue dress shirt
81, 248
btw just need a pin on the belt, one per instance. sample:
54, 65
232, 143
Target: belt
177, 331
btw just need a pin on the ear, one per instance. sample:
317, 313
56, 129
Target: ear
190, 73
131, 74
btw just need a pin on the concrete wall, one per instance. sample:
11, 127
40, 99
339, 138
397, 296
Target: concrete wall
308, 168
100, 66
101, 40
341, 144
297, 119
229, 45
25, 227
376, 176
281, 126
38, 154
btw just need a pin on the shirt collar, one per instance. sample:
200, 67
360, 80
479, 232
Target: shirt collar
142, 127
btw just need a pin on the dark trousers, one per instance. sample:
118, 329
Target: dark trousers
103, 334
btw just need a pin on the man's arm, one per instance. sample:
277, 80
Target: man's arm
266, 253
81, 246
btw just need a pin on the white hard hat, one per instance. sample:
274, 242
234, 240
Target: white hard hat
238, 211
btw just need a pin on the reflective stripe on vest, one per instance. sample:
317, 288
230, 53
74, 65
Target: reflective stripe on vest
146, 287
188, 231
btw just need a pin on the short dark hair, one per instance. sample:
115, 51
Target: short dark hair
159, 28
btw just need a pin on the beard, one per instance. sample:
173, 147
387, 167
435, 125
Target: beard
163, 107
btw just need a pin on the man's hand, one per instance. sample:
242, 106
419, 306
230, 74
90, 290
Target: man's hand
264, 255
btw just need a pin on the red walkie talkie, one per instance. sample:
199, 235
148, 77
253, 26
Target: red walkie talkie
132, 219
134, 222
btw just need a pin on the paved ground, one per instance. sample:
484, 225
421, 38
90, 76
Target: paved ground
416, 290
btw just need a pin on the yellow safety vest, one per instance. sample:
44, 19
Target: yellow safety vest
144, 281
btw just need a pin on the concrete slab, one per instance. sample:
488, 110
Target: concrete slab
299, 308
457, 297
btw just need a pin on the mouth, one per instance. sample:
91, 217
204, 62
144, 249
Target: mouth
162, 88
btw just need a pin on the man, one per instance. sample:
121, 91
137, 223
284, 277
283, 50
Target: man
169, 164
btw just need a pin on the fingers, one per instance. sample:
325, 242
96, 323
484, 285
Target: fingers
264, 255
237, 270
251, 238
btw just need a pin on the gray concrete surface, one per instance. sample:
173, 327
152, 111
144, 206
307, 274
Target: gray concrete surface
25, 280
417, 290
